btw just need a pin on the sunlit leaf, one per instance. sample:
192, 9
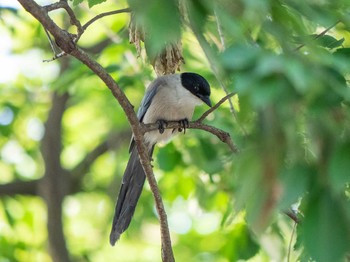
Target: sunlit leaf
241, 245
77, 2
168, 157
95, 2
329, 41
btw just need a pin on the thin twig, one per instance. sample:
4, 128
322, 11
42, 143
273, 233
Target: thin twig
58, 5
319, 35
221, 34
99, 16
64, 5
210, 110
197, 124
52, 45
222, 135
292, 215
59, 55
291, 240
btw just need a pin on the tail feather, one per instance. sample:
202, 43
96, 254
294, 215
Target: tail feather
129, 194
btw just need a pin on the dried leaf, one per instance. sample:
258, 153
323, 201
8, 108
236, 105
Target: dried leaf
170, 60
167, 61
136, 34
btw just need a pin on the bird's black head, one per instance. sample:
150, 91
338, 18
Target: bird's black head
197, 85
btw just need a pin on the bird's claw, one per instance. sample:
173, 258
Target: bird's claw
184, 124
161, 125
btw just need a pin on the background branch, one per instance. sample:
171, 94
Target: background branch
54, 185
115, 140
20, 188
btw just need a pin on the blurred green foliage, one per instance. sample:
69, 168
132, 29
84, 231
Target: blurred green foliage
292, 129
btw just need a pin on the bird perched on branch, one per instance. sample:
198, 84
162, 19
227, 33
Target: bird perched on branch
168, 98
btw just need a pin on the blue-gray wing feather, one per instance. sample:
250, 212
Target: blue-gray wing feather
145, 103
148, 97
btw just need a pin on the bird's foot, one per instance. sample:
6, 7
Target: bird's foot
161, 125
184, 124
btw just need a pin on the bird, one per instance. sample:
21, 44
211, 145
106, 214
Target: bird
171, 97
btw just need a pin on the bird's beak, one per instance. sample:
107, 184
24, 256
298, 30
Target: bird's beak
206, 100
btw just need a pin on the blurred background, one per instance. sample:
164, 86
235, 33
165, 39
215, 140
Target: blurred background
64, 138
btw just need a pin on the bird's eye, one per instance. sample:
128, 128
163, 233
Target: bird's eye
196, 88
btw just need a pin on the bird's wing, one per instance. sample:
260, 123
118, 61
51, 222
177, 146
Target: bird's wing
146, 102
148, 97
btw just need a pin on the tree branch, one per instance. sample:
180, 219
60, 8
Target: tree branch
197, 124
58, 5
99, 16
20, 188
167, 253
68, 45
55, 183
80, 170
292, 215
64, 5
216, 106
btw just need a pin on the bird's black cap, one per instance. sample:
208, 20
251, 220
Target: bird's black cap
197, 85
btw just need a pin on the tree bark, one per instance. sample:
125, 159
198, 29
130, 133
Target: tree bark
55, 182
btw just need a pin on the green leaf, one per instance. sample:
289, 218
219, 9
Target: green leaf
168, 157
326, 228
329, 41
199, 11
160, 27
326, 41
339, 167
295, 183
77, 2
95, 2
241, 244
240, 57
343, 52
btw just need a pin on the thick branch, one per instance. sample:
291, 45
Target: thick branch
20, 188
55, 183
167, 253
66, 43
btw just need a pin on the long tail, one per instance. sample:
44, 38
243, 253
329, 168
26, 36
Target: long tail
130, 191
